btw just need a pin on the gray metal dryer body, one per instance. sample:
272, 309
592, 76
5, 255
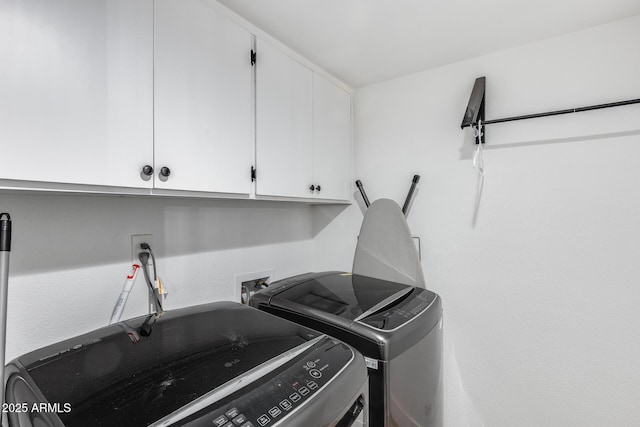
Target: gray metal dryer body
398, 328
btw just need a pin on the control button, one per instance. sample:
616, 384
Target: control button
239, 420
263, 420
311, 364
312, 385
295, 397
232, 413
229, 424
274, 412
315, 373
247, 424
303, 391
220, 421
286, 405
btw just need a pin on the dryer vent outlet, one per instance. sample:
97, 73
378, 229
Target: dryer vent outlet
250, 287
249, 284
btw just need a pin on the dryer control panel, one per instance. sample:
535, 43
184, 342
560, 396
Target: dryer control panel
401, 311
278, 394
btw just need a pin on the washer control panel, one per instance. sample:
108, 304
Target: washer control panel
276, 395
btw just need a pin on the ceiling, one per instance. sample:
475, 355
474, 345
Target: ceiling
367, 41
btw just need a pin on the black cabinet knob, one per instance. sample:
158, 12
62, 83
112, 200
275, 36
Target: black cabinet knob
165, 171
147, 170
313, 187
318, 187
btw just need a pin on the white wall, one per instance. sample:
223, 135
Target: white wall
70, 255
539, 271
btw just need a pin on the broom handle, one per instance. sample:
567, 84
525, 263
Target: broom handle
5, 248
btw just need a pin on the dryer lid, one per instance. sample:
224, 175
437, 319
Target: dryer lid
349, 296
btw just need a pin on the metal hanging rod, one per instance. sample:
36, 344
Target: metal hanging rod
558, 112
474, 113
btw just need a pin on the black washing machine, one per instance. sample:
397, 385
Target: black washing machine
220, 365
398, 328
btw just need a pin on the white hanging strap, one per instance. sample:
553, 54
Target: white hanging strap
478, 159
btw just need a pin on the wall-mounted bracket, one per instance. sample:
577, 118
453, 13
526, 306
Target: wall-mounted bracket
474, 113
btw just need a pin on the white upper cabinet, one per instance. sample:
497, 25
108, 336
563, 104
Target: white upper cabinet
161, 97
331, 140
283, 124
303, 130
203, 99
76, 91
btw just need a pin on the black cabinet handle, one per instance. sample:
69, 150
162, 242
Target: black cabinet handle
313, 187
165, 171
318, 188
147, 170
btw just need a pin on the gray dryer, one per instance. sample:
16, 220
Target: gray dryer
398, 328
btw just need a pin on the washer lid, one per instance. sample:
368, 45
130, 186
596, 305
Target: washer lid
136, 372
346, 295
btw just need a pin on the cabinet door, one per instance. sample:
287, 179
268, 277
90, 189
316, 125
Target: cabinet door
331, 140
76, 91
203, 99
283, 124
